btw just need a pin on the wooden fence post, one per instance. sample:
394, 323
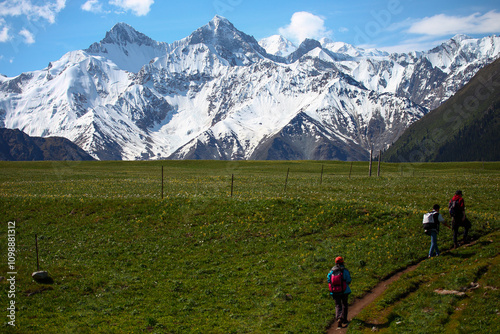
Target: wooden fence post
321, 179
232, 183
371, 158
36, 245
379, 156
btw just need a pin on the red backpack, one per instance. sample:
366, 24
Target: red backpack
337, 284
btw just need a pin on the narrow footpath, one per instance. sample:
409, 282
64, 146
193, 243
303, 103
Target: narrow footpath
360, 303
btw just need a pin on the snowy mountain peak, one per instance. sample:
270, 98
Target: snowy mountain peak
309, 44
217, 30
220, 30
124, 34
460, 37
351, 50
453, 44
228, 42
220, 20
462, 52
128, 48
305, 47
277, 45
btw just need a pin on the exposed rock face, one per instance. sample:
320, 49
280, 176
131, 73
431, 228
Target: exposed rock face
218, 94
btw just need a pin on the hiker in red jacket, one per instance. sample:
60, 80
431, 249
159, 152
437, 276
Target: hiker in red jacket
458, 217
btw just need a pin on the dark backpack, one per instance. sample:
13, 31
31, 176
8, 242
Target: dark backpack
337, 284
454, 208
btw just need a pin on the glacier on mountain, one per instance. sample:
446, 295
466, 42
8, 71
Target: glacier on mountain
220, 94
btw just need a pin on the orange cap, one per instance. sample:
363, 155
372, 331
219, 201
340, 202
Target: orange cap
339, 259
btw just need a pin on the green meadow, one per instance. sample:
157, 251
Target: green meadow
242, 247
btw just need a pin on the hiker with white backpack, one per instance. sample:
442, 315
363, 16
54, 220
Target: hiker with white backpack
339, 279
431, 223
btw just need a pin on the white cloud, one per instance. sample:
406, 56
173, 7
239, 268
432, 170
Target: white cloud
47, 11
93, 6
440, 25
430, 32
29, 38
305, 25
138, 7
4, 31
4, 34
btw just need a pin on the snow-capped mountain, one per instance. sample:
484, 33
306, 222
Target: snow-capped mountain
277, 45
218, 94
128, 48
351, 50
427, 78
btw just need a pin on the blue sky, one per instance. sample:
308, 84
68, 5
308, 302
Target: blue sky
35, 32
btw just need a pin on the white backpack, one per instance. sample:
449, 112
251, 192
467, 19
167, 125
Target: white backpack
429, 223
429, 218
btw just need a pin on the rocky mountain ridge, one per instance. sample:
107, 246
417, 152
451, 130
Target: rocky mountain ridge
18, 146
218, 94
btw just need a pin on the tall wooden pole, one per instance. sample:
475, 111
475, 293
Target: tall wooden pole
36, 244
232, 182
371, 158
286, 180
350, 170
379, 157
321, 179
161, 182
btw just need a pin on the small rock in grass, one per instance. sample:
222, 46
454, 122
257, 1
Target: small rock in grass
41, 277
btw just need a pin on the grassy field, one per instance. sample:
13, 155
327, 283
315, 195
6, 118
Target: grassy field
455, 293
125, 259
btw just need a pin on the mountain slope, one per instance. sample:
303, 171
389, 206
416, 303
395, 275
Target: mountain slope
17, 146
464, 128
277, 45
218, 94
128, 48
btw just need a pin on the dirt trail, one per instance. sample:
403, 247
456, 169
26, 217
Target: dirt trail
361, 303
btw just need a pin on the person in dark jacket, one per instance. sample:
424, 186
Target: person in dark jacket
341, 306
458, 217
431, 223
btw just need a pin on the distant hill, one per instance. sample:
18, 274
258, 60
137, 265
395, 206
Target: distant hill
464, 128
15, 145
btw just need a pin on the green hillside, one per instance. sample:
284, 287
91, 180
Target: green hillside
464, 128
16, 145
208, 257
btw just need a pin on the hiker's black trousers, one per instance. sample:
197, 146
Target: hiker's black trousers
455, 224
341, 307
